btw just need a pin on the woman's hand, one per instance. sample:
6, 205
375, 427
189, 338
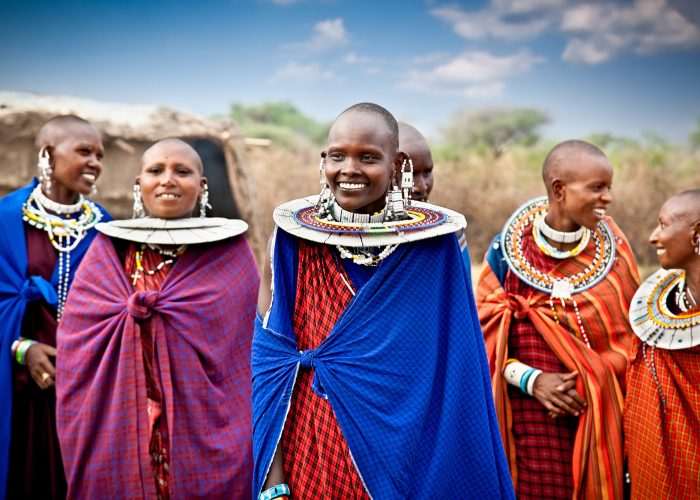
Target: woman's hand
40, 366
557, 393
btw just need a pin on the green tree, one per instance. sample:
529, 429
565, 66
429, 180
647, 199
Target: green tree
278, 119
495, 128
694, 138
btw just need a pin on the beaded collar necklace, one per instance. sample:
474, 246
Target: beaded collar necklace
653, 321
341, 215
559, 236
55, 207
65, 234
367, 243
559, 287
538, 234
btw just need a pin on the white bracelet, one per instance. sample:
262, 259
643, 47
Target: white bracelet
531, 381
514, 372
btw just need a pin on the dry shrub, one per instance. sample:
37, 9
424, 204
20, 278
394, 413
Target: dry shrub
487, 190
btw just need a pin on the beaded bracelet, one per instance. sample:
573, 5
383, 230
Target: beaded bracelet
277, 491
20, 348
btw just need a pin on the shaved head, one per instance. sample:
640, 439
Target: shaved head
566, 158
392, 127
164, 146
410, 139
57, 128
687, 204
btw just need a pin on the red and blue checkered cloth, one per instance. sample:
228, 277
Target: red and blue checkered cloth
405, 372
201, 323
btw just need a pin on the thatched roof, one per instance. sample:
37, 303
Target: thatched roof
124, 126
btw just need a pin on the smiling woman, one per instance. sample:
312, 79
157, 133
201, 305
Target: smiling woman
48, 226
662, 415
171, 308
346, 358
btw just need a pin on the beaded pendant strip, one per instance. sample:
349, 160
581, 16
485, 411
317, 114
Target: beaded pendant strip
168, 256
64, 233
562, 287
652, 320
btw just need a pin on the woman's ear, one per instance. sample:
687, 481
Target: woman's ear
203, 182
558, 188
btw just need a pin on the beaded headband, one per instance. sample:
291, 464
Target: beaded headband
652, 320
425, 220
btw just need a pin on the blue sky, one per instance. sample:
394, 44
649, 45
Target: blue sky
619, 66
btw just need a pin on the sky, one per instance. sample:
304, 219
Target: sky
626, 67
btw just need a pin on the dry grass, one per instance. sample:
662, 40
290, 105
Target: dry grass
486, 191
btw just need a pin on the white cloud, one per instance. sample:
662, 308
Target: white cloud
601, 32
352, 58
328, 34
596, 31
471, 74
495, 22
303, 73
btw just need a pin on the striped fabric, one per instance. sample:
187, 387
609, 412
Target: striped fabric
663, 449
201, 323
597, 465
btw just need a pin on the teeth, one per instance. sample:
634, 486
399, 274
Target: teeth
89, 177
660, 251
347, 185
599, 211
169, 196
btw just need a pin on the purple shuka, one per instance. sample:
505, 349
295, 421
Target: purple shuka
201, 321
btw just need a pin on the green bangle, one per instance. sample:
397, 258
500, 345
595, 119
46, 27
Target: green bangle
22, 350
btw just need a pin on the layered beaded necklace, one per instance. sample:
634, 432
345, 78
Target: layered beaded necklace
363, 256
562, 288
167, 255
65, 233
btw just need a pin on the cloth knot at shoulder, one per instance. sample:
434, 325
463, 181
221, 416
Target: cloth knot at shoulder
306, 359
140, 304
519, 305
36, 288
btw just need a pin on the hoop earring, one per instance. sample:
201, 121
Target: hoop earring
138, 211
45, 169
325, 198
204, 202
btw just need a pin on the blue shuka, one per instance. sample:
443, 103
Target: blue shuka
16, 291
404, 370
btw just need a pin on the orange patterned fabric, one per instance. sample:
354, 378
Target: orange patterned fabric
598, 447
663, 447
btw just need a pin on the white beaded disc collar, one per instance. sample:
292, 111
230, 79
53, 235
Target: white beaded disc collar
187, 231
652, 320
425, 220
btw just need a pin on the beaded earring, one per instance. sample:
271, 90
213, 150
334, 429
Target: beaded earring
204, 202
138, 211
325, 199
696, 243
399, 196
45, 169
93, 190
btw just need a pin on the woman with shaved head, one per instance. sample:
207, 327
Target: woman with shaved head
154, 348
662, 413
47, 228
553, 300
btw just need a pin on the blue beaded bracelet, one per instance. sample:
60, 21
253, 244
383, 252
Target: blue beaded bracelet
278, 490
524, 379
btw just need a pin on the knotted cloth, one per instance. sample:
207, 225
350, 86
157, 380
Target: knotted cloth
201, 322
404, 369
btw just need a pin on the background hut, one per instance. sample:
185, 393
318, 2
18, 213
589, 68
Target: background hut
127, 131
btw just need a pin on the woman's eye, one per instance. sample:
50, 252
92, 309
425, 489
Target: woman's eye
335, 156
